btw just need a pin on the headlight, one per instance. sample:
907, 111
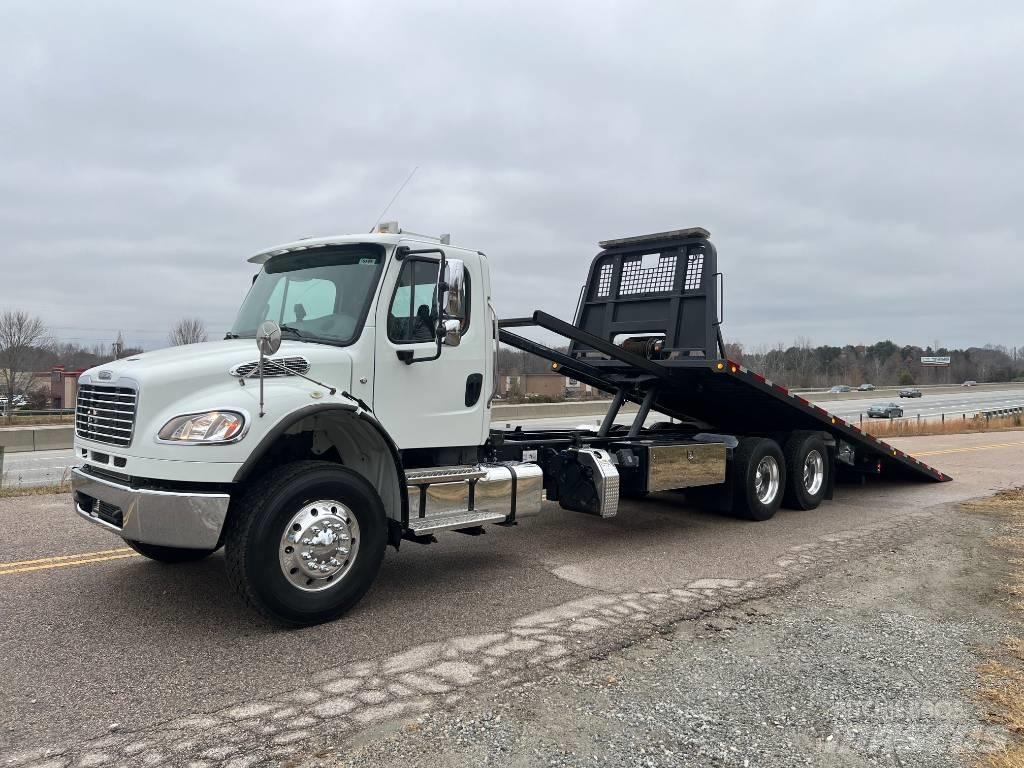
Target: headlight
209, 427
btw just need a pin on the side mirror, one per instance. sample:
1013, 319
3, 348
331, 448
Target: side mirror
268, 337
451, 332
453, 302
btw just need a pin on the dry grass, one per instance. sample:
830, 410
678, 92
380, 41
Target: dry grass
36, 421
1002, 678
11, 491
952, 426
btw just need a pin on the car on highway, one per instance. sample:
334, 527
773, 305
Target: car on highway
911, 392
969, 383
840, 388
885, 411
866, 388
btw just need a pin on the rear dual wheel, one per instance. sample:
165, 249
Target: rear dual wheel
759, 478
808, 467
766, 476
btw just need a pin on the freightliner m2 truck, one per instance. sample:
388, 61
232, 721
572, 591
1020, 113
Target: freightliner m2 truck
350, 408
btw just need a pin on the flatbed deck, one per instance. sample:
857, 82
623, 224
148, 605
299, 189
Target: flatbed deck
665, 288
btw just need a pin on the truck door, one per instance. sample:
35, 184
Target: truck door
438, 402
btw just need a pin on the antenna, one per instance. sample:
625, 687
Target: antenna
395, 197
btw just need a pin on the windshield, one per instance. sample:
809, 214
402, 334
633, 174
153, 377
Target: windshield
321, 294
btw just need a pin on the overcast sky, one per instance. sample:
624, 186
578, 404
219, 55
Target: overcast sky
859, 165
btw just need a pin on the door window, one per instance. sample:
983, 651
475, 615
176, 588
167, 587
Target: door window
412, 318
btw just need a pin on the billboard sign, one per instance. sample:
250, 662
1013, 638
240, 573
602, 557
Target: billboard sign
934, 361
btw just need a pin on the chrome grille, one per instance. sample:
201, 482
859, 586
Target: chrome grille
106, 414
272, 367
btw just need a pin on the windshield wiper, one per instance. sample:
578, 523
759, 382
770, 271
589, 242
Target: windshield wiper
230, 335
296, 331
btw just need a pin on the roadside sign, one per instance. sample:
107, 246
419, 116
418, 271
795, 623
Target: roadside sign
934, 361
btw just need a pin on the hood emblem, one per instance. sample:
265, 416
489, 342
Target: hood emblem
105, 375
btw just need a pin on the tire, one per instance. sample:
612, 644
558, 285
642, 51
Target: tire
808, 470
324, 510
751, 454
169, 554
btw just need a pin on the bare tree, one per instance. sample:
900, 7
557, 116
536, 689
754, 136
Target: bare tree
20, 335
189, 330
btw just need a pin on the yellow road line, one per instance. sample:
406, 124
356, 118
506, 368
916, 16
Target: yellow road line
966, 449
54, 558
64, 564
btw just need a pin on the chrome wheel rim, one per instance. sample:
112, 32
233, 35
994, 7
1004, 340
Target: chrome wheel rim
814, 472
319, 545
766, 480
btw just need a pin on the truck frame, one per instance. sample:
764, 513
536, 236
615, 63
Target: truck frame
372, 426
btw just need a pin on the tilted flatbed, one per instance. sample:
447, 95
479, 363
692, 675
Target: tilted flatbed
647, 331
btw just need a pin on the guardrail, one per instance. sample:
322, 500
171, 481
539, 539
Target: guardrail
1001, 412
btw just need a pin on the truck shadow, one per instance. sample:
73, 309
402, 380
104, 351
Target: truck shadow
460, 580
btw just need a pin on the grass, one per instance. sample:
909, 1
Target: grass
1002, 677
913, 427
36, 421
11, 491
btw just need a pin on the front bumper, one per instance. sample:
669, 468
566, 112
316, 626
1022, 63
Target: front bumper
166, 518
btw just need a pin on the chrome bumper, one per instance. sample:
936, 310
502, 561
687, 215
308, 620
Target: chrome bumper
166, 518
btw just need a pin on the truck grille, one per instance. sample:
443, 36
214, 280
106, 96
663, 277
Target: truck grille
106, 414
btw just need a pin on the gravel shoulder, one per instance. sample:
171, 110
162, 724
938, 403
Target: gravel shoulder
871, 660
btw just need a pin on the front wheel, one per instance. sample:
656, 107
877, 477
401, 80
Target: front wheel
759, 477
305, 543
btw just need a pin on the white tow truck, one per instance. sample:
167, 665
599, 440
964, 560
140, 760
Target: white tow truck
350, 408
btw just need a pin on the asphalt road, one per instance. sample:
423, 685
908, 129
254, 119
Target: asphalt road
33, 468
105, 653
49, 467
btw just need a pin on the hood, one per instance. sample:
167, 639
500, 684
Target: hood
210, 362
197, 377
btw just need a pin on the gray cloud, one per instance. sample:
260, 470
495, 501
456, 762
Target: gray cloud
857, 164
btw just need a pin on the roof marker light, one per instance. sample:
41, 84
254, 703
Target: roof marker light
720, 366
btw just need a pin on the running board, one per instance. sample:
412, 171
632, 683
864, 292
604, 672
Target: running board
444, 474
422, 526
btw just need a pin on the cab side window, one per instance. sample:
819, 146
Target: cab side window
412, 318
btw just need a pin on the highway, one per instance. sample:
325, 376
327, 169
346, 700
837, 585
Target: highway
49, 467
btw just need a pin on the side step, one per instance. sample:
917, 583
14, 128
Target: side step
444, 474
452, 521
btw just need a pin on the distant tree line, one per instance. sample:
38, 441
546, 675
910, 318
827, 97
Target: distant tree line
804, 365
26, 348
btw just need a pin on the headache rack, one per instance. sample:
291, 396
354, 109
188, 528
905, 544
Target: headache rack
648, 331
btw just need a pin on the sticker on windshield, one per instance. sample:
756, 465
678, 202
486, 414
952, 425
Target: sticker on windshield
371, 262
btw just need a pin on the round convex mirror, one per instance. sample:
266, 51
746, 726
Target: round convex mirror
268, 337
